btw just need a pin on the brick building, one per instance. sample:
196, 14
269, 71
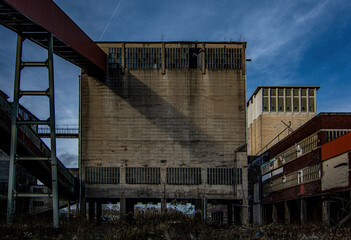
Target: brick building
168, 122
296, 179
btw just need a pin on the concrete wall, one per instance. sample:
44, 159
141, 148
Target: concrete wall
182, 118
335, 172
267, 126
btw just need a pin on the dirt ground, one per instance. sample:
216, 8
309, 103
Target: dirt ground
167, 227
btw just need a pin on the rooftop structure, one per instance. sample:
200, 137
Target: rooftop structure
276, 111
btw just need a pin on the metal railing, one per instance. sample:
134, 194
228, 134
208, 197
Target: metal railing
61, 132
305, 175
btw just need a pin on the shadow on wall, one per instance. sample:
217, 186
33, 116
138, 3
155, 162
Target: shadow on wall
162, 114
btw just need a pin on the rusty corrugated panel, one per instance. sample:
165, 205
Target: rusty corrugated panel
336, 147
49, 16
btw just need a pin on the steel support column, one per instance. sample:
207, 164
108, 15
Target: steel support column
55, 199
12, 167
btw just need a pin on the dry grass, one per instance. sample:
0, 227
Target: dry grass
173, 225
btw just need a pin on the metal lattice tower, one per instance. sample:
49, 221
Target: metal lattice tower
16, 122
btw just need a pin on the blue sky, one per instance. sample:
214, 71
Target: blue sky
302, 42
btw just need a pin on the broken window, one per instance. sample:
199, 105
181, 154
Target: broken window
115, 57
102, 175
184, 176
143, 175
143, 58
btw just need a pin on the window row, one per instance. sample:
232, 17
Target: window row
288, 100
223, 58
152, 175
224, 176
306, 145
331, 135
176, 58
305, 175
102, 175
143, 175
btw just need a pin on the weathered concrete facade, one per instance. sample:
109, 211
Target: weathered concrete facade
166, 129
271, 109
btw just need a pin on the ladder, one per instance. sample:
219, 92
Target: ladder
16, 122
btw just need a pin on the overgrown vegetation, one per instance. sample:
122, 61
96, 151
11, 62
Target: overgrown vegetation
173, 225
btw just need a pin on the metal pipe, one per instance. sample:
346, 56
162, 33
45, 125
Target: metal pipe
33, 158
34, 93
33, 64
35, 122
12, 167
55, 199
34, 195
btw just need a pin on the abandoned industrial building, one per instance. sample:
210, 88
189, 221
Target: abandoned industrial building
305, 177
276, 111
166, 121
169, 122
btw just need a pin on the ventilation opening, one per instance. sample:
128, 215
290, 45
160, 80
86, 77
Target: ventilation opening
195, 58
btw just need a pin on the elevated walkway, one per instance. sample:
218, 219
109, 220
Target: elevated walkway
44, 23
30, 145
61, 132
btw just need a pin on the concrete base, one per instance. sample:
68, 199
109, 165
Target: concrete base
126, 207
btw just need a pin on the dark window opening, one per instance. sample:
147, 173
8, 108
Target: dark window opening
195, 58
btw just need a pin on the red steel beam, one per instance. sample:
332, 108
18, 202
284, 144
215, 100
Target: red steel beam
48, 15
